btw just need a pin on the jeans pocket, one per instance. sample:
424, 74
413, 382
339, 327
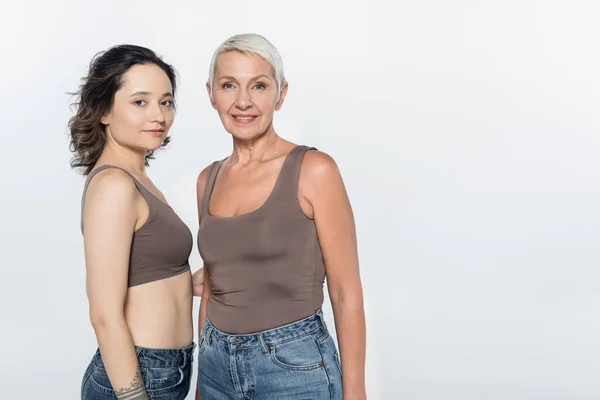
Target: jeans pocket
160, 380
204, 338
300, 354
202, 343
99, 381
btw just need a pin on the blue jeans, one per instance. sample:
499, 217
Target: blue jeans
298, 361
166, 372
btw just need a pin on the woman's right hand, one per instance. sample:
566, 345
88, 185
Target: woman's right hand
198, 282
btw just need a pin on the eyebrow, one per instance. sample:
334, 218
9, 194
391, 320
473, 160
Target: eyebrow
148, 93
251, 80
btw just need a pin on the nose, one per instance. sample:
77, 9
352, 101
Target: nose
156, 114
243, 101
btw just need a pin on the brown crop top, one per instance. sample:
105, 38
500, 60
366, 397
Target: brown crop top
161, 248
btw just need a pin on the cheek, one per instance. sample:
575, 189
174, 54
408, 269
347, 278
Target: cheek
222, 108
266, 104
130, 119
267, 98
224, 102
169, 118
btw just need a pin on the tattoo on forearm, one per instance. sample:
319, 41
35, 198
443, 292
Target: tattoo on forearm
136, 391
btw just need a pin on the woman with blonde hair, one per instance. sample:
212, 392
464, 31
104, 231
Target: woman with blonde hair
275, 220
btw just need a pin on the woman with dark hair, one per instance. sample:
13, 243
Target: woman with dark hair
138, 278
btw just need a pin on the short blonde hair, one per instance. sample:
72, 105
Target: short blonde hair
251, 44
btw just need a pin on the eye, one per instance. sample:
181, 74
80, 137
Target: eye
168, 103
227, 85
140, 103
260, 86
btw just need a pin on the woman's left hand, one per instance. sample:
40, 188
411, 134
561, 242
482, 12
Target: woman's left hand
198, 282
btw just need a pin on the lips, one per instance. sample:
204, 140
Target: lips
244, 119
155, 132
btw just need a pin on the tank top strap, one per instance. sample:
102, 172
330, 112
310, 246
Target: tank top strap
137, 183
289, 177
213, 169
147, 195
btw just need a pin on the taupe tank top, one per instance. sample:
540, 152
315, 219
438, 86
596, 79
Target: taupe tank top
161, 248
266, 267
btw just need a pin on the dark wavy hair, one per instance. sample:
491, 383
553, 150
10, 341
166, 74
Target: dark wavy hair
96, 96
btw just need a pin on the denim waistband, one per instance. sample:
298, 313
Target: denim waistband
158, 357
313, 324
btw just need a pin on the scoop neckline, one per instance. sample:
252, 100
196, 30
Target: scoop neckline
259, 209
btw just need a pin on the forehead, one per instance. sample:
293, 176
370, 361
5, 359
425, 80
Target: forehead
238, 64
146, 77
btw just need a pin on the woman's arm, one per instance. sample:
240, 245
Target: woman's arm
322, 186
110, 215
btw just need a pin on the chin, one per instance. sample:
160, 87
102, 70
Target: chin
152, 145
242, 134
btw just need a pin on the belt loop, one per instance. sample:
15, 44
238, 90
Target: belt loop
320, 315
261, 339
322, 321
191, 355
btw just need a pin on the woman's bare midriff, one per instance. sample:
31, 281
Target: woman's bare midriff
159, 313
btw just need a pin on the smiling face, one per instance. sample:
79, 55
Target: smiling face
245, 94
142, 112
